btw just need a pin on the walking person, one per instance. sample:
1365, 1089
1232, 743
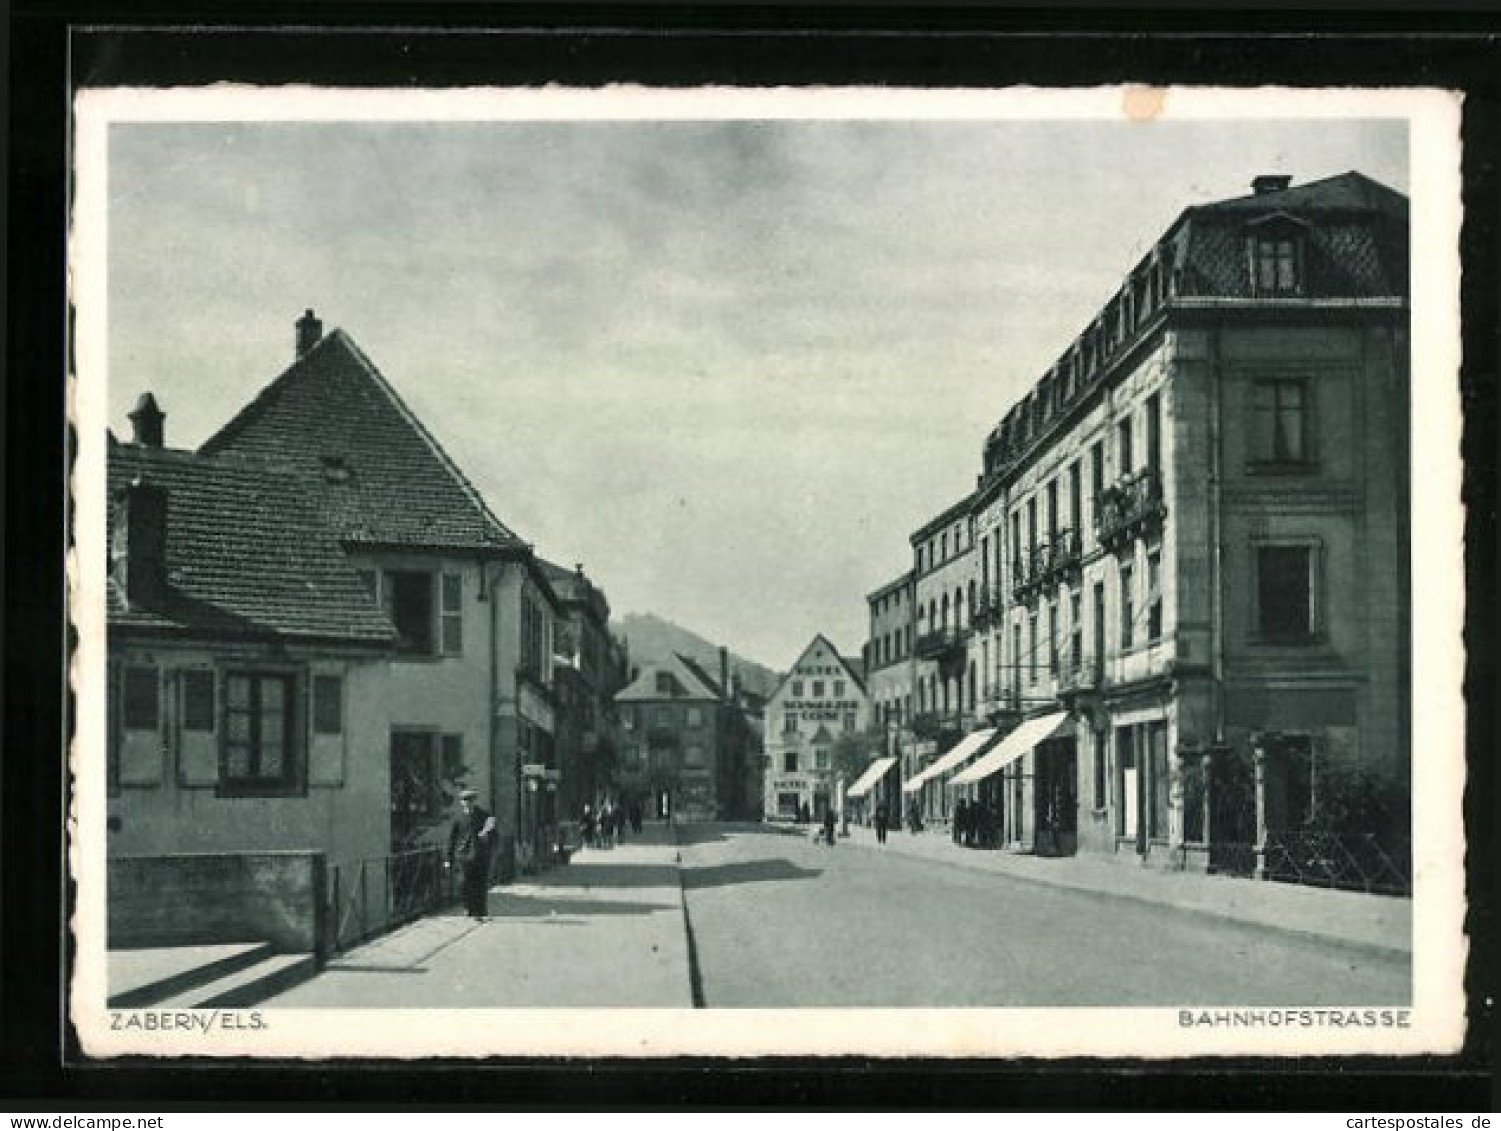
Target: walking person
881, 823
958, 828
588, 823
828, 825
470, 843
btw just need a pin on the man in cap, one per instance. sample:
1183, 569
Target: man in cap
470, 844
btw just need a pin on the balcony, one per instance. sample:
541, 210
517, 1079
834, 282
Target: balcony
990, 606
1130, 509
998, 704
1029, 574
942, 644
1062, 556
935, 724
1083, 678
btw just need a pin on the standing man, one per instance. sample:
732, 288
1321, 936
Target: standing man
881, 823
470, 844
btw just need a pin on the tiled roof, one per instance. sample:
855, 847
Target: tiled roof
1347, 192
643, 689
380, 478
703, 677
247, 554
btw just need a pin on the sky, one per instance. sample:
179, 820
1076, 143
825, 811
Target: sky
729, 366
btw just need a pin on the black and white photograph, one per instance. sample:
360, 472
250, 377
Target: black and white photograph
767, 572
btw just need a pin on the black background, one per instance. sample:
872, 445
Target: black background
54, 47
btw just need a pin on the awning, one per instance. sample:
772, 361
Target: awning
967, 747
1017, 743
873, 773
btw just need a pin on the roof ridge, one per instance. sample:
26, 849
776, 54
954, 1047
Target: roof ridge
475, 498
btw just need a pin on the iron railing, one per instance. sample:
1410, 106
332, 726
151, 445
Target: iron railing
1353, 861
942, 642
1131, 507
371, 896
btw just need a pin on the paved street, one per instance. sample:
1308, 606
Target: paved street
780, 921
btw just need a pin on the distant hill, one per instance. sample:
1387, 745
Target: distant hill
651, 639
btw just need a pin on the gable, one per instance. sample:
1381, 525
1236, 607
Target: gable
378, 476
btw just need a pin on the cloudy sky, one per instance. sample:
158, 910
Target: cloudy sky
728, 365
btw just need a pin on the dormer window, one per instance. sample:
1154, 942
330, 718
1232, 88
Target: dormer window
1276, 257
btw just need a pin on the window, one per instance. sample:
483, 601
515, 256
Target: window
1016, 656
142, 702
797, 689
665, 683
628, 718
1101, 753
1032, 523
198, 701
1032, 648
943, 546
821, 759
693, 755
695, 717
662, 717
453, 614
1097, 474
410, 605
1052, 509
1276, 265
789, 762
789, 723
1123, 447
1053, 637
328, 704
1285, 593
1154, 596
1157, 810
1279, 422
818, 689
1075, 501
1128, 607
259, 749
451, 748
1154, 432
839, 689
1076, 629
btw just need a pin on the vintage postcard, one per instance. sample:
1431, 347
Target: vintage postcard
754, 572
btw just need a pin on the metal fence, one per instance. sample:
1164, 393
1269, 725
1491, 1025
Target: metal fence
369, 897
1380, 865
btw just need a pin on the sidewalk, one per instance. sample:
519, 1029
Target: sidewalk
605, 930
1378, 923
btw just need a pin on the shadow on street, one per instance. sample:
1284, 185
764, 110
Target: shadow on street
746, 872
602, 875
506, 906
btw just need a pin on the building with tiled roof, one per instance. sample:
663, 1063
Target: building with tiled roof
248, 676
820, 699
687, 744
1191, 546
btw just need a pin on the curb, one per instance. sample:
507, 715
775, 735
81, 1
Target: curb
1378, 950
695, 976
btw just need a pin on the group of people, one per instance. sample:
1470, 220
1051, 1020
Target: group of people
976, 825
604, 824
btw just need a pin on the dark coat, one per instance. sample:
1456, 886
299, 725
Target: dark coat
472, 835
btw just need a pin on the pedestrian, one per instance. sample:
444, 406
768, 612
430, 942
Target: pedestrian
588, 823
881, 823
828, 825
958, 826
470, 843
636, 816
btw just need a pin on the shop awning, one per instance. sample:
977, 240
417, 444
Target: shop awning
873, 773
966, 748
1017, 743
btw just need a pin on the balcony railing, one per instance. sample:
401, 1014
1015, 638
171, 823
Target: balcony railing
1129, 509
1081, 678
990, 606
1029, 573
933, 724
1063, 555
941, 643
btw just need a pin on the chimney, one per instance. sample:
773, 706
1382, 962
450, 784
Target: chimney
1270, 182
724, 671
309, 332
138, 544
146, 421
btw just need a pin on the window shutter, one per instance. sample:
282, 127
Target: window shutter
142, 741
197, 736
452, 603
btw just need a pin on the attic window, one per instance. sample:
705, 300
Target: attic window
1275, 263
336, 469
